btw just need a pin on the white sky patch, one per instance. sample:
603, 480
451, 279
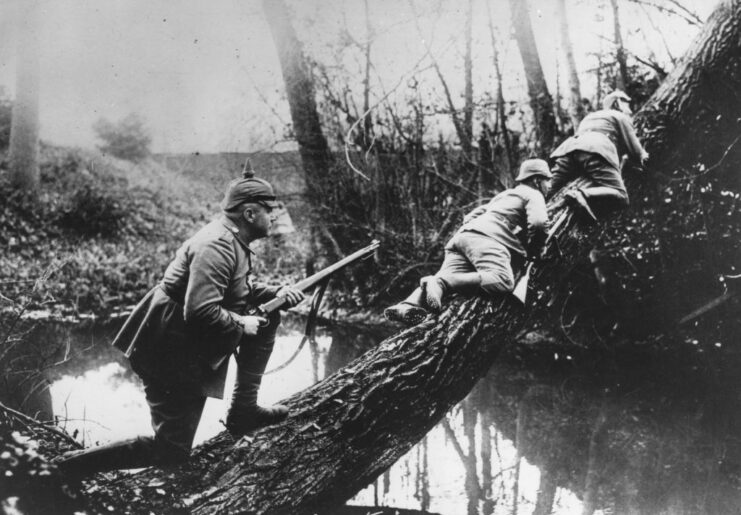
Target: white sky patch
205, 75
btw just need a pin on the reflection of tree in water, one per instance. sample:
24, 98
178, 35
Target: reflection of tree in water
621, 447
40, 352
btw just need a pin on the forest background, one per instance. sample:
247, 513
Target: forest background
405, 118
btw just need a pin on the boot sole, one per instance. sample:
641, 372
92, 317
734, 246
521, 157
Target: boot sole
412, 316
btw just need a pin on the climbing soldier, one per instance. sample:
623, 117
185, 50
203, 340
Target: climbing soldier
602, 138
178, 336
490, 248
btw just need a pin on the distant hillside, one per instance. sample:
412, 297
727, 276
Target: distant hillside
105, 229
282, 170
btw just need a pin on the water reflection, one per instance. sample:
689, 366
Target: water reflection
540, 434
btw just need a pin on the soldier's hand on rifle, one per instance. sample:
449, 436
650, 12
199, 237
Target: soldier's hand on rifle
250, 324
292, 295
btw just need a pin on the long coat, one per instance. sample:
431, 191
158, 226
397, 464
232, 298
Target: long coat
609, 133
516, 218
189, 320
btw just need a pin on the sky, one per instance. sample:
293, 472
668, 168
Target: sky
205, 75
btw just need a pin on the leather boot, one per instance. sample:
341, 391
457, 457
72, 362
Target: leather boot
409, 311
127, 454
434, 289
244, 415
579, 198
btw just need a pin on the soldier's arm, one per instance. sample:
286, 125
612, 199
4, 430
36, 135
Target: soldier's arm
211, 268
630, 139
475, 213
537, 222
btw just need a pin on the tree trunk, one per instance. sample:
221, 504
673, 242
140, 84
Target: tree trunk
313, 148
694, 116
546, 493
621, 77
509, 151
468, 72
537, 88
346, 430
24, 129
576, 109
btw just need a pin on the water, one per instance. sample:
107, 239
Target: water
541, 433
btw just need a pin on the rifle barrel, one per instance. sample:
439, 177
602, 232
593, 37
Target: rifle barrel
313, 280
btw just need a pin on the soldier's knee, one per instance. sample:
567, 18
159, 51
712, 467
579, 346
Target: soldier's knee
497, 281
166, 452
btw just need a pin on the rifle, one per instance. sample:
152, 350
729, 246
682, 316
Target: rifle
318, 280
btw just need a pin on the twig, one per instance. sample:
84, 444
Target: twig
367, 112
32, 421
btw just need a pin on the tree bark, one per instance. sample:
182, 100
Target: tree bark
541, 101
694, 115
313, 147
576, 109
24, 129
343, 432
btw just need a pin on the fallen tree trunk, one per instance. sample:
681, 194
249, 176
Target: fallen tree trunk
349, 428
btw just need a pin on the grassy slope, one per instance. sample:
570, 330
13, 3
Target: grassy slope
106, 228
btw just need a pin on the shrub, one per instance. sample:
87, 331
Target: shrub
93, 210
127, 139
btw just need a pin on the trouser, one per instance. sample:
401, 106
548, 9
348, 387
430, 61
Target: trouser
469, 251
600, 172
252, 359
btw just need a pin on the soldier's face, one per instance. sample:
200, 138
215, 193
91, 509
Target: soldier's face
261, 217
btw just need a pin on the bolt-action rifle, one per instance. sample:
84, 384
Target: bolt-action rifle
318, 281
318, 278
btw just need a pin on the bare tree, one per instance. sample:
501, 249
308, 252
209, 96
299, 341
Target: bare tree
621, 78
24, 130
541, 101
468, 73
313, 147
576, 109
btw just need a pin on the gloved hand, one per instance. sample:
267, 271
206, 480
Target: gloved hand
250, 324
292, 295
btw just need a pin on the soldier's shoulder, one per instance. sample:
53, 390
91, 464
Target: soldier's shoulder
213, 233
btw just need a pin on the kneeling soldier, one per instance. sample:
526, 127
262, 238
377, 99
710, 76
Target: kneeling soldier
189, 323
490, 248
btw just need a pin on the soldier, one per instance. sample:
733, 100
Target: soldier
178, 336
490, 248
595, 151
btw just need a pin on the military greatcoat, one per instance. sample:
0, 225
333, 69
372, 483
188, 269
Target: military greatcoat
189, 320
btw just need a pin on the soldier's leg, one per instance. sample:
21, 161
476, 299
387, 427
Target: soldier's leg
245, 415
454, 269
607, 188
565, 169
175, 416
409, 311
493, 262
176, 412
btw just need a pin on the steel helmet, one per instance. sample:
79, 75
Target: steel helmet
533, 167
609, 101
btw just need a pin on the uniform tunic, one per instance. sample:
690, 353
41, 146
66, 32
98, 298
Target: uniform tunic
495, 236
595, 150
188, 322
190, 319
